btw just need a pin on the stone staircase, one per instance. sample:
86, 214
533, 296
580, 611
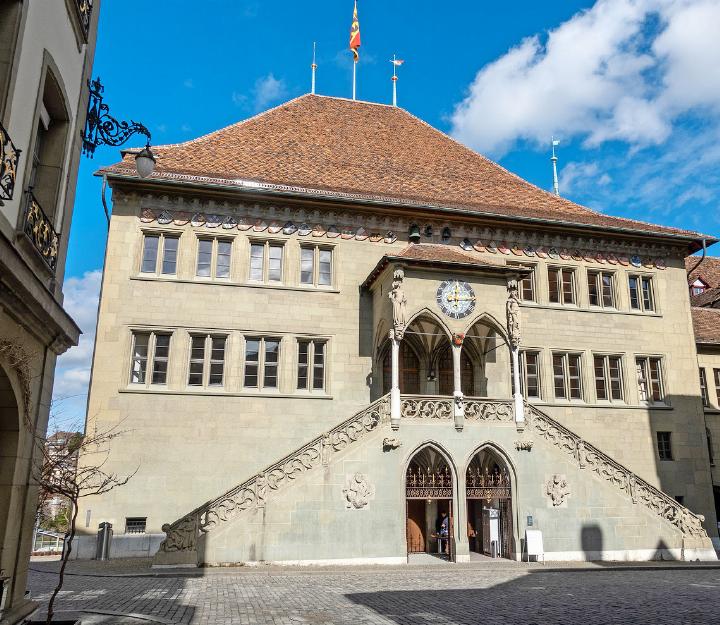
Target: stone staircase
180, 546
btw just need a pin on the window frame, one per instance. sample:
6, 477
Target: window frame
646, 360
215, 242
716, 379
150, 357
311, 366
642, 307
664, 446
567, 387
561, 270
162, 235
142, 519
261, 363
207, 360
524, 373
267, 244
704, 394
608, 379
596, 276
317, 249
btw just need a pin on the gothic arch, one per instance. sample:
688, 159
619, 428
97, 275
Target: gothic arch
439, 449
426, 312
11, 434
498, 451
486, 319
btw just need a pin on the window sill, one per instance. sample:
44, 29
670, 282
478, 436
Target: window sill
579, 404
227, 282
220, 393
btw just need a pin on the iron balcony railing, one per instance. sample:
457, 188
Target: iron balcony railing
9, 156
40, 231
84, 10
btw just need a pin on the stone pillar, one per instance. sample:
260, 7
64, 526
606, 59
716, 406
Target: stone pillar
394, 382
462, 546
458, 407
517, 393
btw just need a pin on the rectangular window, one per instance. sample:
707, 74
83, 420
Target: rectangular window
315, 266
207, 360
641, 293
608, 378
650, 384
561, 282
150, 352
703, 388
663, 446
262, 362
135, 525
567, 376
716, 375
266, 262
214, 258
601, 289
530, 374
311, 365
160, 246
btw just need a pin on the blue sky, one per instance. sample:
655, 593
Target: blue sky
631, 88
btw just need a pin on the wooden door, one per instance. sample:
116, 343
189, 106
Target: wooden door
415, 532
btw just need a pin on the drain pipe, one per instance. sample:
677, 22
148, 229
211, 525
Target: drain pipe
702, 258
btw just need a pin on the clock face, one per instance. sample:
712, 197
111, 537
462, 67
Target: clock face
456, 299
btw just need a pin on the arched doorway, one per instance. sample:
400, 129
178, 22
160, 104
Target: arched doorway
446, 377
489, 505
429, 504
9, 436
409, 370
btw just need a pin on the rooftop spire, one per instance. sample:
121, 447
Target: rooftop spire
314, 67
556, 186
396, 63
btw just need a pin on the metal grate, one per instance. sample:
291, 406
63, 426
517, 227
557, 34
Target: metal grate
135, 525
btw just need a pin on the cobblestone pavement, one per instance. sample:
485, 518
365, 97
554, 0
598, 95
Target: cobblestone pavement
509, 594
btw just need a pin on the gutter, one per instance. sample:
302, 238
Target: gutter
702, 258
264, 188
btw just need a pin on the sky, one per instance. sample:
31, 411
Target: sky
631, 88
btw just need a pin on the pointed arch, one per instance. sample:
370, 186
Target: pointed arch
488, 320
430, 314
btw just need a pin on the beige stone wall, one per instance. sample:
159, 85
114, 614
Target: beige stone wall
191, 445
709, 360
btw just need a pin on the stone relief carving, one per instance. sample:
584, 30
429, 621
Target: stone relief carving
399, 303
557, 489
391, 443
513, 313
591, 458
523, 445
182, 534
358, 491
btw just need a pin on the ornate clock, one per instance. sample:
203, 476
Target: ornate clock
456, 299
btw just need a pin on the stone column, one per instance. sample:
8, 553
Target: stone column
513, 328
458, 407
462, 546
394, 381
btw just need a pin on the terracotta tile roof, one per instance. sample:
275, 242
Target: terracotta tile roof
706, 323
708, 272
709, 298
365, 151
445, 253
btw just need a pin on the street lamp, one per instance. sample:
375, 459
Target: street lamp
103, 129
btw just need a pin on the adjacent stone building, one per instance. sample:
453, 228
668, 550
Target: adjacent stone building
331, 333
705, 298
46, 55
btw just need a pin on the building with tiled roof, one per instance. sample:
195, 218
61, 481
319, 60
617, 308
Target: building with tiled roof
327, 325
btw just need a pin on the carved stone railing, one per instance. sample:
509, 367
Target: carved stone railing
183, 534
441, 408
586, 456
9, 156
40, 231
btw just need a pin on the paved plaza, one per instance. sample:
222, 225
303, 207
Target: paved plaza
445, 594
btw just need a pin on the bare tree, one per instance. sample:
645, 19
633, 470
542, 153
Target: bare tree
73, 468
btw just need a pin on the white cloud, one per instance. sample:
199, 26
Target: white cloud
267, 90
621, 70
72, 373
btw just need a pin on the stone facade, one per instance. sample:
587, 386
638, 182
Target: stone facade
46, 55
190, 444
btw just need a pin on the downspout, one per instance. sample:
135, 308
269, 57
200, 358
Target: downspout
702, 258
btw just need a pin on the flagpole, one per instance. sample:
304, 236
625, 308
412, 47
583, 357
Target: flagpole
394, 81
354, 78
314, 67
556, 186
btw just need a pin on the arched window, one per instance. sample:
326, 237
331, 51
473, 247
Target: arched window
409, 370
445, 373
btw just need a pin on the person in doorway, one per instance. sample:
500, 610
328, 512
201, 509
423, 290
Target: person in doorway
442, 527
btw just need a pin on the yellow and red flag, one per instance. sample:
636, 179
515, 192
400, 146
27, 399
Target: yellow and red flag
355, 34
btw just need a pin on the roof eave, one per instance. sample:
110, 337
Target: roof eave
264, 189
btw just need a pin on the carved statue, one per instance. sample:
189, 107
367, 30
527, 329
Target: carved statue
557, 489
181, 538
326, 450
581, 454
523, 445
358, 492
399, 303
513, 313
391, 443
